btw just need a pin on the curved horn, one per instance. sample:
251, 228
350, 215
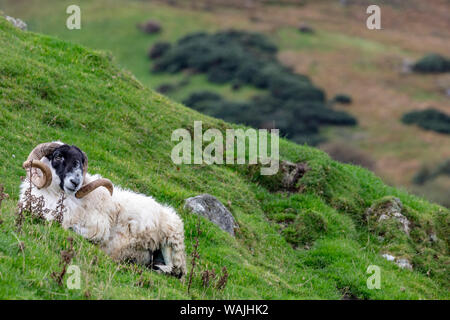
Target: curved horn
38, 180
41, 178
88, 188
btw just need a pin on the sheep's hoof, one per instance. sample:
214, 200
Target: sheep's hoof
163, 268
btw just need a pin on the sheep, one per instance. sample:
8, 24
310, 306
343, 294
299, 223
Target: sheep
128, 226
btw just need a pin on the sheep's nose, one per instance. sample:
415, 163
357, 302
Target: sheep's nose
75, 182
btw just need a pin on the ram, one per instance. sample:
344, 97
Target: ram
128, 226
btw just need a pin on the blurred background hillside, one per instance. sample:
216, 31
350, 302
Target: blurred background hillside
377, 98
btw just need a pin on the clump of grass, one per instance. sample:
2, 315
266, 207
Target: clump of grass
305, 229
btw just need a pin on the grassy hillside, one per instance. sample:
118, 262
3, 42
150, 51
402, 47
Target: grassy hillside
341, 56
51, 89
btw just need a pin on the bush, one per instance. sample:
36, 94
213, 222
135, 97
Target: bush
342, 98
427, 174
158, 50
429, 119
432, 63
293, 104
165, 88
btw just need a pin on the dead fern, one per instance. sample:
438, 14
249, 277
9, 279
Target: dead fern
66, 259
223, 280
210, 279
36, 206
3, 196
195, 256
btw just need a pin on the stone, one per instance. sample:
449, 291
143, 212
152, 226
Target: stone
390, 208
18, 23
433, 237
402, 262
209, 207
291, 173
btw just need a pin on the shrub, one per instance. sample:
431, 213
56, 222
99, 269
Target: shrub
429, 119
292, 103
342, 98
158, 49
298, 121
165, 88
427, 174
432, 63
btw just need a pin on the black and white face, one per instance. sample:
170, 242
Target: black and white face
67, 162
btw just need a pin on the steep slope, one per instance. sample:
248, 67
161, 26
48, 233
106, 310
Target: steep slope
51, 89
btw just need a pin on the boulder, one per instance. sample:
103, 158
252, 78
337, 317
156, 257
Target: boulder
286, 179
209, 207
291, 173
401, 262
389, 208
18, 23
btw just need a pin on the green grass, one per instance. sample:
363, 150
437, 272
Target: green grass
52, 89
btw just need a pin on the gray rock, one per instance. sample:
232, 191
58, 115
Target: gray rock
209, 207
17, 22
391, 208
402, 262
433, 237
388, 257
291, 173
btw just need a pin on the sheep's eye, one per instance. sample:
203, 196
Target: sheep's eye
58, 158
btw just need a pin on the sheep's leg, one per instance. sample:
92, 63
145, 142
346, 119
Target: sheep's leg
166, 251
178, 255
